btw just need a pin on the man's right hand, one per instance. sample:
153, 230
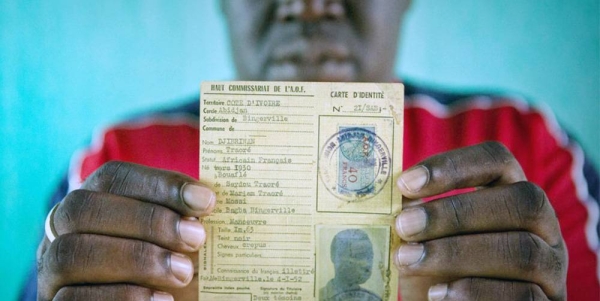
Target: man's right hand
123, 236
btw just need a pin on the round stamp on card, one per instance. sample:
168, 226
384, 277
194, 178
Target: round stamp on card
354, 163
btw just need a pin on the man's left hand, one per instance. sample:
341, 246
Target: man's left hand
499, 242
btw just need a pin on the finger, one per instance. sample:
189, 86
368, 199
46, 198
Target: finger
520, 206
486, 164
520, 256
84, 211
82, 259
124, 292
485, 289
167, 188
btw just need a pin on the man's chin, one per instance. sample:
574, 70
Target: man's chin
329, 71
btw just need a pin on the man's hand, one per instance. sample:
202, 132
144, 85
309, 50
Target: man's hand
122, 236
500, 242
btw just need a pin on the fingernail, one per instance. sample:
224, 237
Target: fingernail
192, 232
160, 296
182, 267
438, 292
409, 254
411, 221
414, 179
198, 197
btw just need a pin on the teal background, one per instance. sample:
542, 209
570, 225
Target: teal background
69, 66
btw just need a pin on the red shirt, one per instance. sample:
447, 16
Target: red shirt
434, 123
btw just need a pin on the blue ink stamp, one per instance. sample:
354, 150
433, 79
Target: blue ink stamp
355, 163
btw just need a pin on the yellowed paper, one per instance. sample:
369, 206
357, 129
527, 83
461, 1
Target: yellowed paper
304, 175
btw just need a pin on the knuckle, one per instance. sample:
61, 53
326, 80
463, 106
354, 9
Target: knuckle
71, 210
57, 262
500, 154
534, 204
498, 151
111, 168
555, 266
444, 166
53, 261
441, 251
106, 170
152, 225
77, 196
157, 222
544, 265
454, 209
535, 261
148, 258
529, 253
136, 181
144, 251
103, 179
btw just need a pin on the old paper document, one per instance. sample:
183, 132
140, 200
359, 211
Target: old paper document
305, 179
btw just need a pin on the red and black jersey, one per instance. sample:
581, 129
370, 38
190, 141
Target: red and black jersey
434, 122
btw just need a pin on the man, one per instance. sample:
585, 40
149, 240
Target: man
131, 232
352, 257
